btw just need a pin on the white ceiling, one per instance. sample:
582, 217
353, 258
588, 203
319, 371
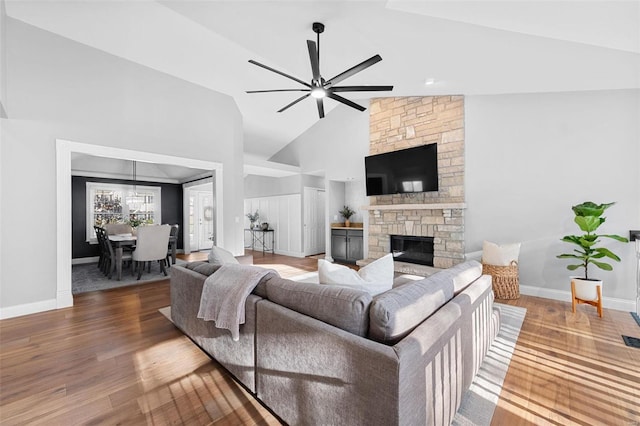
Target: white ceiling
467, 47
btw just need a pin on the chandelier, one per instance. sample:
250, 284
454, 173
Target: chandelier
134, 200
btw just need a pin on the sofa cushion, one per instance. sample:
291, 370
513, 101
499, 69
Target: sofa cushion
376, 277
397, 312
343, 307
394, 314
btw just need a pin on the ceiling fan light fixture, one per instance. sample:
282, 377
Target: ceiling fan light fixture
318, 92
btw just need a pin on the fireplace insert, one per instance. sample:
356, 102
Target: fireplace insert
411, 249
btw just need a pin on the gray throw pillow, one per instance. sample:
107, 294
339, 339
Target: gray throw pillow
220, 256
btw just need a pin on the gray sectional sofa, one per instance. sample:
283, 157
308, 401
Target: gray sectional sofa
331, 355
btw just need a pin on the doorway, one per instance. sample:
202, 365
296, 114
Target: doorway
201, 217
64, 150
314, 221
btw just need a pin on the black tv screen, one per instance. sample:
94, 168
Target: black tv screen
405, 171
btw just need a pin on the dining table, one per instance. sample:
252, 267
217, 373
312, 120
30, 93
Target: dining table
119, 241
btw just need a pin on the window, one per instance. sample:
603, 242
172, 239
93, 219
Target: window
107, 203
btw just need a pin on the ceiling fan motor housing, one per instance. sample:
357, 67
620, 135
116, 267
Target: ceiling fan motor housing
317, 27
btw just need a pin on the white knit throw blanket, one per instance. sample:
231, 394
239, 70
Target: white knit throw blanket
225, 292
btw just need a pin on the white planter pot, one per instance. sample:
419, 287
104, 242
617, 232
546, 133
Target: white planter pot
587, 289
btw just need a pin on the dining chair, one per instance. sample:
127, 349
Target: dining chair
174, 234
108, 254
151, 246
100, 236
118, 228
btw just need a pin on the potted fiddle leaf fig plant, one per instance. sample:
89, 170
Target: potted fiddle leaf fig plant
588, 217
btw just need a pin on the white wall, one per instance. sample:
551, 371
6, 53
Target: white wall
336, 145
264, 186
3, 82
526, 161
283, 214
529, 158
355, 196
57, 88
3, 59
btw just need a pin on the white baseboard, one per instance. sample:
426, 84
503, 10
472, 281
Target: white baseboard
85, 260
28, 308
565, 296
288, 253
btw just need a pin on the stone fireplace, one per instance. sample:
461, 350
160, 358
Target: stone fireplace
399, 123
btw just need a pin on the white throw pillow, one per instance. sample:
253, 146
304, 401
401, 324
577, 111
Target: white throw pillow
376, 277
499, 255
220, 256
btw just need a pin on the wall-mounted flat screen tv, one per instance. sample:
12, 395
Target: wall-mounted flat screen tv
405, 171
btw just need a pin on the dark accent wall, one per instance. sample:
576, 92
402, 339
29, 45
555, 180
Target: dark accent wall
171, 210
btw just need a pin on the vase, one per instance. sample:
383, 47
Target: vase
347, 223
587, 289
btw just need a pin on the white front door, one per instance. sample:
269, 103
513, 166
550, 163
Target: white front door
201, 220
205, 224
314, 221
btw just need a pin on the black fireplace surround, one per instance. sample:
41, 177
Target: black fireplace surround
411, 249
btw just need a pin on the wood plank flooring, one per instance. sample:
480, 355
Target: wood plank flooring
114, 359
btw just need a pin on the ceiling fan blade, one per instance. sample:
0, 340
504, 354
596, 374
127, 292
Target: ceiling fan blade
313, 56
251, 61
346, 101
294, 102
353, 70
320, 107
277, 90
361, 88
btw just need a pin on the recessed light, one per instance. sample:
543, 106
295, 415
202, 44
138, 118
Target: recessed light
429, 81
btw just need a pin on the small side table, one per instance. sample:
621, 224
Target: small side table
259, 237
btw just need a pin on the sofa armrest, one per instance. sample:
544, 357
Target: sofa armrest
445, 353
237, 357
310, 372
431, 372
186, 289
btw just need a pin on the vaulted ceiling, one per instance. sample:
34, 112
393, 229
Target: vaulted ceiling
463, 47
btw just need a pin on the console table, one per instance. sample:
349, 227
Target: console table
259, 237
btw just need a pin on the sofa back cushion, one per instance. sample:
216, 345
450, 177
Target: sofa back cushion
464, 274
394, 314
343, 307
206, 269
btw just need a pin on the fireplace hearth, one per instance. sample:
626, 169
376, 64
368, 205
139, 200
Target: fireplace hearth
412, 249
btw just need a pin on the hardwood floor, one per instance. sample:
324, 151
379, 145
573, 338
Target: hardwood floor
114, 359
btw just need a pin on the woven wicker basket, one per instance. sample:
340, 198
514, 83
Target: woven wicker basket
504, 279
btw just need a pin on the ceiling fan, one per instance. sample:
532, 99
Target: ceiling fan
320, 88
